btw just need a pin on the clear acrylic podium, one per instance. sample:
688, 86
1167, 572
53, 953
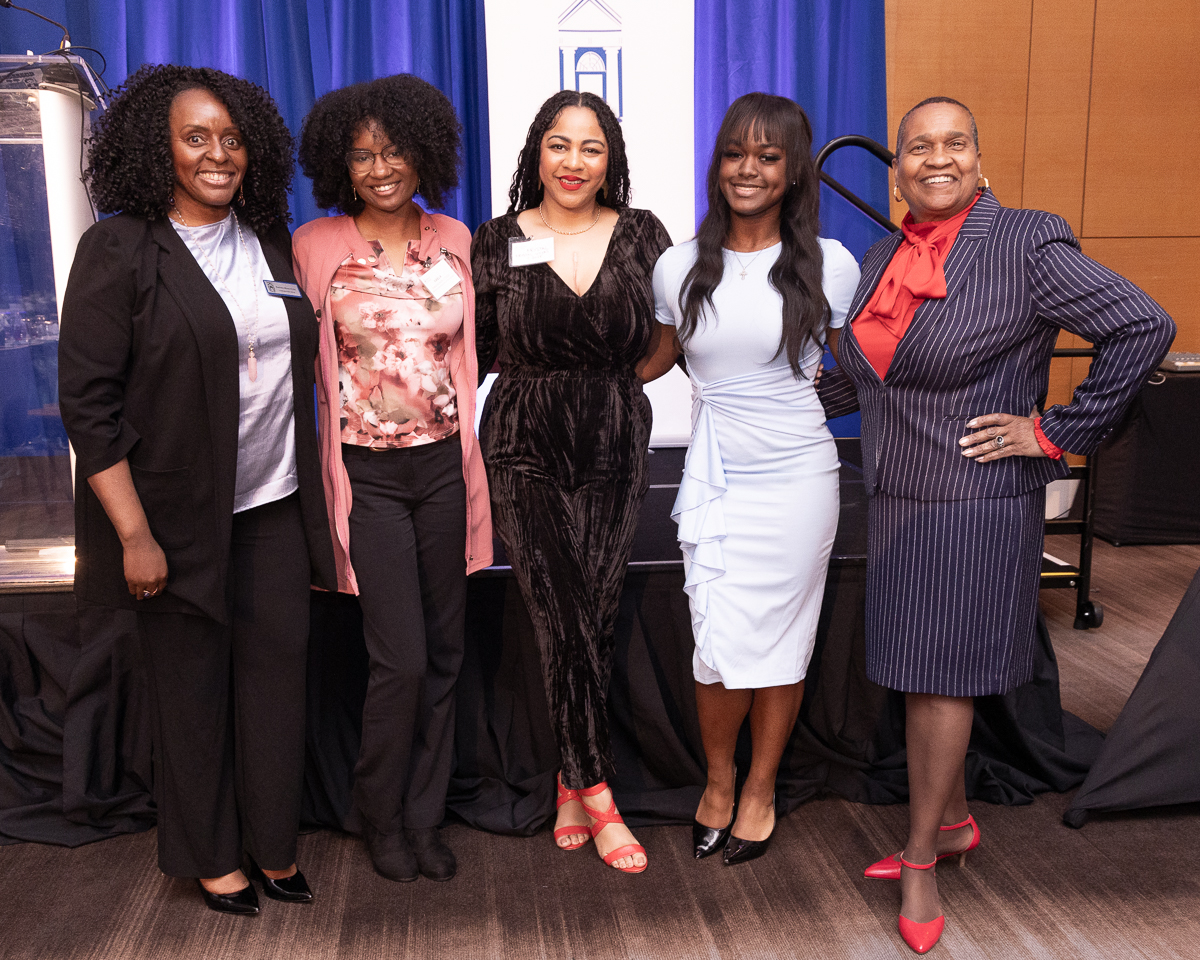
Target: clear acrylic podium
47, 106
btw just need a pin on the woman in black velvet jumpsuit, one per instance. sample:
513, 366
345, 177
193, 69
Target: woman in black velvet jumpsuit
566, 427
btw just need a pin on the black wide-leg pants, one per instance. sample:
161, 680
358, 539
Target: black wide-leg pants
407, 533
229, 706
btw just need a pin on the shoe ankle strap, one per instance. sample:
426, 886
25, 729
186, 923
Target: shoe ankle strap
969, 822
597, 789
916, 866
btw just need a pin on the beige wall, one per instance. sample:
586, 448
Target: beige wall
1087, 108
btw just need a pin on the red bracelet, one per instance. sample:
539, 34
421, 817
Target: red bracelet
1048, 448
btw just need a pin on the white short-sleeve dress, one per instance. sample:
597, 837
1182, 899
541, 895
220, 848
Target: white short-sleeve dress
758, 502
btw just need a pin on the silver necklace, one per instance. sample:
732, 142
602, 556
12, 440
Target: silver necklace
252, 336
569, 233
746, 266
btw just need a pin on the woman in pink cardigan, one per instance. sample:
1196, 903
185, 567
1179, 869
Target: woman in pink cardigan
404, 479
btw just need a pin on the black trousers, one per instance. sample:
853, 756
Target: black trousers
229, 706
407, 531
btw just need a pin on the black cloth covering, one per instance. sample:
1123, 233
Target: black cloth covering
1151, 756
75, 754
1146, 469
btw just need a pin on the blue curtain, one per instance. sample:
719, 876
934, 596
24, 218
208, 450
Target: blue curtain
298, 50
828, 56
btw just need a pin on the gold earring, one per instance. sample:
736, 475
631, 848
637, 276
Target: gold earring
986, 185
604, 189
353, 191
896, 194
241, 196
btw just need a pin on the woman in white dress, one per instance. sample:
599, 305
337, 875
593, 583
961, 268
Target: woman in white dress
749, 303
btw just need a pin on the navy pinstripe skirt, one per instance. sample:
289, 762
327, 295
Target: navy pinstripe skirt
952, 592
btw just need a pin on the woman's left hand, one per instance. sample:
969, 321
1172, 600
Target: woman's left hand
1004, 436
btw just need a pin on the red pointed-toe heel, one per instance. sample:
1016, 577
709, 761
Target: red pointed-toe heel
566, 795
889, 867
921, 937
603, 818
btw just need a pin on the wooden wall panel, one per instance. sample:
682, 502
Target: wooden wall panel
977, 53
1056, 127
1144, 127
1167, 268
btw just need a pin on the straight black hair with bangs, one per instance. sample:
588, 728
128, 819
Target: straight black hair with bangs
766, 118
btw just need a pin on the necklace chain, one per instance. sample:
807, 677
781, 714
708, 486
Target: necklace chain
746, 266
252, 335
569, 233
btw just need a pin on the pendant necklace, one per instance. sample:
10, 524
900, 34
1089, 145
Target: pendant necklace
252, 336
746, 266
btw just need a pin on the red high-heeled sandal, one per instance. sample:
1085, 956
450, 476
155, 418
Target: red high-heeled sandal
566, 795
603, 819
921, 937
889, 867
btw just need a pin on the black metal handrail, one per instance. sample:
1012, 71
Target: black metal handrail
873, 147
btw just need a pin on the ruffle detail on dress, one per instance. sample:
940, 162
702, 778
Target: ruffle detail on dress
700, 517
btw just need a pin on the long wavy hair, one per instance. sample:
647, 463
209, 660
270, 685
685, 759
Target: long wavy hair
130, 166
526, 189
765, 118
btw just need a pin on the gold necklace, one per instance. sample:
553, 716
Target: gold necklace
251, 360
569, 233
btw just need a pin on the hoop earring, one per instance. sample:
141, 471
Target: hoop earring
986, 185
896, 194
604, 190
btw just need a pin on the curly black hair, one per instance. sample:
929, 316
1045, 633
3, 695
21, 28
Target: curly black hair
526, 189
130, 168
414, 115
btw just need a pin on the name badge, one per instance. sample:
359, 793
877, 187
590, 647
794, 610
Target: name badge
523, 252
278, 289
440, 279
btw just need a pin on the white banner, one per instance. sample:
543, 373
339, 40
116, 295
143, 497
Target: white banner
638, 56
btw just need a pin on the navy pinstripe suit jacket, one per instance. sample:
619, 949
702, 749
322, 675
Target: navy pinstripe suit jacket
1013, 278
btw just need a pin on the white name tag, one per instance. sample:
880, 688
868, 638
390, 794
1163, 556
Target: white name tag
440, 279
277, 289
522, 252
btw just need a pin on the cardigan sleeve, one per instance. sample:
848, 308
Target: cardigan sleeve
95, 348
1130, 331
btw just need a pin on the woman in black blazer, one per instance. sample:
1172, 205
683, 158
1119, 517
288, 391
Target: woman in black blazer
955, 320
186, 383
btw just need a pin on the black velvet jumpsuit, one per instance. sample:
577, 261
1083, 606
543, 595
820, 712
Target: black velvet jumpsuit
565, 435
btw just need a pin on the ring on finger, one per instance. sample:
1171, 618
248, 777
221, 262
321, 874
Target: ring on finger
999, 440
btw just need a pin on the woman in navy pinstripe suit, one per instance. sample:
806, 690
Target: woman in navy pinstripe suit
955, 321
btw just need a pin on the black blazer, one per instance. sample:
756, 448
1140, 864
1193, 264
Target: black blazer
1013, 279
148, 369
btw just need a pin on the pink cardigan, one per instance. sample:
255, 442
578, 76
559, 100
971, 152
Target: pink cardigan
318, 249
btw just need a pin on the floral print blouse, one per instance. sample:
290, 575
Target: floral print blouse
393, 341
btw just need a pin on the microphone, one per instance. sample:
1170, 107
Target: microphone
63, 44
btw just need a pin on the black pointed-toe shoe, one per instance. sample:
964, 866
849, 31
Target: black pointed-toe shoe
738, 850
708, 840
293, 889
244, 903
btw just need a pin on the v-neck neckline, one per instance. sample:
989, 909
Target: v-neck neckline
603, 260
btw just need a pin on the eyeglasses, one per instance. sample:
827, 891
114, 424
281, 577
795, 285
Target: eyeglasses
360, 161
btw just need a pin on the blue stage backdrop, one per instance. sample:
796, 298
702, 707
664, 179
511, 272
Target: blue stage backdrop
297, 49
828, 56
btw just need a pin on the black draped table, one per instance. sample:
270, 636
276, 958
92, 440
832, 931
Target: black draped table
75, 751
